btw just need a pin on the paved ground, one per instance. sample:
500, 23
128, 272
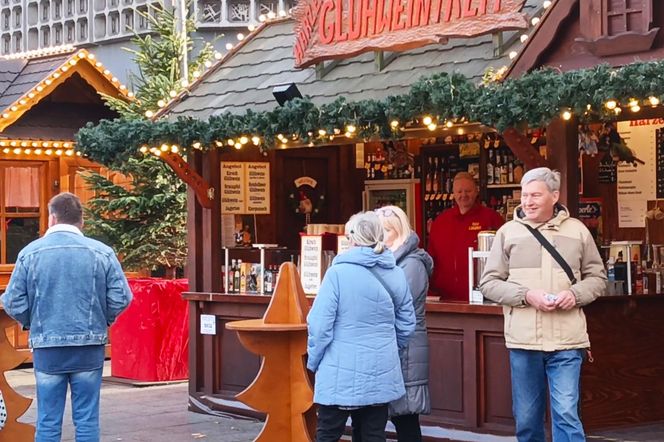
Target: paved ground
155, 413
159, 413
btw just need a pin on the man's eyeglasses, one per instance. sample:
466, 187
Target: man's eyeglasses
384, 211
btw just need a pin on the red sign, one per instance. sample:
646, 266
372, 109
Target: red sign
328, 29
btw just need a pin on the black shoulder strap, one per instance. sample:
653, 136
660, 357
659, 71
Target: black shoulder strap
553, 252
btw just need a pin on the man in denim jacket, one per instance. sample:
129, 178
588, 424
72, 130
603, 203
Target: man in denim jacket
67, 289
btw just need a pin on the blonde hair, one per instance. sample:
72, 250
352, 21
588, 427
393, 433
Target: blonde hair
396, 219
365, 229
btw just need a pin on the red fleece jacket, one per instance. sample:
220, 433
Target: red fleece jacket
450, 236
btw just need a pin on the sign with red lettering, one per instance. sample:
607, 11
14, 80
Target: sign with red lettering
329, 29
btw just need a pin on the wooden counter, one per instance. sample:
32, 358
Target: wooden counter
469, 364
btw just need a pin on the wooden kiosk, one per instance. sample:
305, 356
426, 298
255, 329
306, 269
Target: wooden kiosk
469, 366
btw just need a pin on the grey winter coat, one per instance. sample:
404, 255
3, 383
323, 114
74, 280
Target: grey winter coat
417, 265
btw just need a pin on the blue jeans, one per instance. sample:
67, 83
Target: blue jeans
51, 397
530, 372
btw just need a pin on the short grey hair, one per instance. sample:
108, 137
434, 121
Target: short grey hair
366, 229
549, 177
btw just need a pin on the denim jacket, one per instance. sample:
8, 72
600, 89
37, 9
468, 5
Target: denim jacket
66, 289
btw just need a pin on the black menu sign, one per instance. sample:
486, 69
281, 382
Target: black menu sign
608, 171
659, 159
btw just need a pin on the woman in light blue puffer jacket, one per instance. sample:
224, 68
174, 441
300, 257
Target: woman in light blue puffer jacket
356, 326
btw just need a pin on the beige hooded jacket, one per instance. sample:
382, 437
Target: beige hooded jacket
518, 262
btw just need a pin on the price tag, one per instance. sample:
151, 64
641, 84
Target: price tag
208, 325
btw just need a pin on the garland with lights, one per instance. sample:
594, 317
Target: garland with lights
597, 94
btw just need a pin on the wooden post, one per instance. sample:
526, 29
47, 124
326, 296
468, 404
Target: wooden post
282, 388
563, 155
521, 147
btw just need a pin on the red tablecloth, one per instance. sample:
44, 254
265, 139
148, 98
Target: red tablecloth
150, 340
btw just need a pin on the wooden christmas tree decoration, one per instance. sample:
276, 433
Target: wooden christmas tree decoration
15, 403
282, 388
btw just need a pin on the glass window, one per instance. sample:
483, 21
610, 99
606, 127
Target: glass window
21, 206
20, 232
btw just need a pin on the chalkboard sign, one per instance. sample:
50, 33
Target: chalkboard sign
608, 171
659, 158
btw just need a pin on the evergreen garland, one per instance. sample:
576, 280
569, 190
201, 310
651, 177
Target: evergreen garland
533, 100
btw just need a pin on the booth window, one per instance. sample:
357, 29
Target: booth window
21, 207
621, 16
614, 27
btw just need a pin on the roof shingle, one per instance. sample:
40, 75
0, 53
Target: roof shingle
245, 80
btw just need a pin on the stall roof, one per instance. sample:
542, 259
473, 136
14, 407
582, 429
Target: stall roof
32, 104
244, 79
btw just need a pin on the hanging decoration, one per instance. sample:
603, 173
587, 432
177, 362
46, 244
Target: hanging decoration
600, 93
306, 198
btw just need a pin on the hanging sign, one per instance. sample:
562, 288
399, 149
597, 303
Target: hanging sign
245, 188
329, 29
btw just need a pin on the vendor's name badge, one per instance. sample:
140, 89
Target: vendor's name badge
208, 325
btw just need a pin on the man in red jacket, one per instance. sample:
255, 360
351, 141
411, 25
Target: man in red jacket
452, 232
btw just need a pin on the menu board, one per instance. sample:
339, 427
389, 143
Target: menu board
311, 263
258, 186
637, 184
245, 188
660, 163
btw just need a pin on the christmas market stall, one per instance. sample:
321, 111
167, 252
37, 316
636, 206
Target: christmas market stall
46, 97
286, 136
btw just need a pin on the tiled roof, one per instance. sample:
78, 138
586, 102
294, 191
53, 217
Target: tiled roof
245, 79
26, 75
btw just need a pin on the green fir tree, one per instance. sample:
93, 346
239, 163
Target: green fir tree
145, 219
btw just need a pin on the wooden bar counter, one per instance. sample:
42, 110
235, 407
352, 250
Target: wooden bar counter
469, 364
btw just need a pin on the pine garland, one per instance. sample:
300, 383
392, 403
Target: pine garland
534, 100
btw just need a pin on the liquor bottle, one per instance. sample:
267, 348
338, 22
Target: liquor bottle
368, 165
275, 275
268, 280
230, 270
243, 280
236, 277
644, 278
436, 176
428, 187
503, 169
489, 167
442, 176
638, 278
510, 172
497, 168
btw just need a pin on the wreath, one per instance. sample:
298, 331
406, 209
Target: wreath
306, 197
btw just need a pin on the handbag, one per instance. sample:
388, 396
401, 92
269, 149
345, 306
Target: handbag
553, 252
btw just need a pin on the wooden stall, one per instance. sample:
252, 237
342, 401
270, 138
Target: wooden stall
45, 99
469, 369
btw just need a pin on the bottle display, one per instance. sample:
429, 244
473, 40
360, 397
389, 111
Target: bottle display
391, 161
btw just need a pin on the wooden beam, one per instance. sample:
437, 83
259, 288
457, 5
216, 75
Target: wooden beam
521, 147
540, 40
202, 189
562, 141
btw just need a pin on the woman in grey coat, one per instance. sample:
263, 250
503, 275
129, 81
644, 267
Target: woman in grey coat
417, 265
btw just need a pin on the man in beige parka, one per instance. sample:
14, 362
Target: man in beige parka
545, 328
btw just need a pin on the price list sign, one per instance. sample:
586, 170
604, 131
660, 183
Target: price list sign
660, 163
311, 262
245, 188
